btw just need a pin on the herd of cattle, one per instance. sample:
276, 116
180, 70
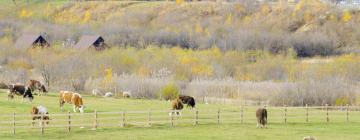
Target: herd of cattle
40, 112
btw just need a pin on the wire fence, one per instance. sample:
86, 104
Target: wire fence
14, 123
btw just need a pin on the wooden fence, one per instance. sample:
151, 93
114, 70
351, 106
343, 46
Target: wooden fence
13, 123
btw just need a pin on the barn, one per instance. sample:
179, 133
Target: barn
91, 41
32, 40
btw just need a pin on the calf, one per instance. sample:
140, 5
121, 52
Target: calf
126, 94
261, 115
190, 101
108, 94
40, 113
71, 98
20, 90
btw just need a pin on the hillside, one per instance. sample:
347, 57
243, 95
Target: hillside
310, 27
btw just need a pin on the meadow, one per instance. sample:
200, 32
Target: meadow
230, 126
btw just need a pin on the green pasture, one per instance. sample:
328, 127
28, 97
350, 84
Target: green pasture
137, 121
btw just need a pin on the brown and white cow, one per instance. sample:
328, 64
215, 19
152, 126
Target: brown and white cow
40, 113
21, 90
176, 105
37, 85
261, 115
71, 98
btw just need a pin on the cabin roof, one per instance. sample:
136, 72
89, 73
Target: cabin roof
87, 40
26, 40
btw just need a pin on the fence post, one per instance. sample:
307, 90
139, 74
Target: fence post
96, 118
149, 118
242, 114
218, 116
14, 123
196, 116
69, 121
42, 124
122, 119
347, 113
327, 113
285, 114
307, 113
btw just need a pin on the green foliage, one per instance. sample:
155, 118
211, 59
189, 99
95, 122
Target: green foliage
170, 92
342, 101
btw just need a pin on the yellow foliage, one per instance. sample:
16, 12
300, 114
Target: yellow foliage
265, 9
207, 32
308, 16
143, 71
247, 19
240, 7
333, 17
188, 60
342, 101
202, 70
109, 75
20, 64
179, 2
198, 28
229, 19
216, 52
87, 17
347, 16
25, 13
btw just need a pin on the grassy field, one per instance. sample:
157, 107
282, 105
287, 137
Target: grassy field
337, 129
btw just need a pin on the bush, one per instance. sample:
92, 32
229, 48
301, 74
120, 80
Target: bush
170, 92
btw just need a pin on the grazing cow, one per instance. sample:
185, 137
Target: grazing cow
108, 94
96, 92
71, 98
309, 138
177, 105
21, 90
126, 94
37, 85
190, 101
261, 115
40, 113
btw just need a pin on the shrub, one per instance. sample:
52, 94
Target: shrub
170, 92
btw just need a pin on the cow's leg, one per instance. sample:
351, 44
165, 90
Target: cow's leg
74, 108
33, 121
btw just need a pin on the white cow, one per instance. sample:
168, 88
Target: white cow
108, 94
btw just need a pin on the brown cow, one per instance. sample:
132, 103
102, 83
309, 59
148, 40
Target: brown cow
261, 115
71, 98
40, 113
176, 105
37, 85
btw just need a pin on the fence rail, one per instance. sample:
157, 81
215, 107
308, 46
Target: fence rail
13, 123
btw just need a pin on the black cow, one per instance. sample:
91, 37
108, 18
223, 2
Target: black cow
190, 101
261, 115
20, 90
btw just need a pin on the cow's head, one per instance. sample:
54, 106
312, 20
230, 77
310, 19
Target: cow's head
82, 108
43, 89
29, 94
